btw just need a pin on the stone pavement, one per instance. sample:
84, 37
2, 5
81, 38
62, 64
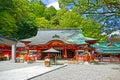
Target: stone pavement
101, 71
24, 71
35, 71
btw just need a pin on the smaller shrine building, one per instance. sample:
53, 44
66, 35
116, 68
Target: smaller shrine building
6, 47
108, 51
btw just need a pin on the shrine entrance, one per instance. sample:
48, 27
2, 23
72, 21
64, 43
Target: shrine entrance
70, 53
65, 50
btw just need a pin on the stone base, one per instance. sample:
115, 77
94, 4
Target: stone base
12, 61
86, 63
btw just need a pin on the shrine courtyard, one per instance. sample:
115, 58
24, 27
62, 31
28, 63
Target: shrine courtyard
102, 71
24, 71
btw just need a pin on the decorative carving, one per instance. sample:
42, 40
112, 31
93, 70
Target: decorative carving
56, 36
56, 43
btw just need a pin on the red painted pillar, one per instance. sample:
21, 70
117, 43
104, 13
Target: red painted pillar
28, 54
65, 53
76, 55
111, 60
37, 53
119, 57
86, 58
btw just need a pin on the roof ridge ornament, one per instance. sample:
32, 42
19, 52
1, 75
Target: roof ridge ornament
56, 36
111, 44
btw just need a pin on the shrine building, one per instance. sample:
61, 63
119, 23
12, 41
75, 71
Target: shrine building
68, 42
108, 51
6, 47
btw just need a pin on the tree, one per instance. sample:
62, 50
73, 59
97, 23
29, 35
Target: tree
105, 12
37, 8
6, 5
50, 12
71, 19
20, 10
42, 22
17, 17
27, 30
90, 27
55, 20
7, 24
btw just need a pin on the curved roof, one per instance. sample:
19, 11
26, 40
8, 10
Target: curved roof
51, 50
20, 44
7, 41
68, 36
28, 39
106, 48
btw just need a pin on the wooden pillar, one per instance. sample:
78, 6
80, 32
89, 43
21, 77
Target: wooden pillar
65, 53
13, 53
28, 54
86, 57
76, 55
37, 53
119, 57
76, 52
111, 60
102, 57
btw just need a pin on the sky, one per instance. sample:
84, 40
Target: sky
53, 3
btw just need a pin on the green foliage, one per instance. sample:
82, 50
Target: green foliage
93, 29
50, 12
37, 8
71, 19
21, 18
105, 12
6, 5
26, 30
18, 16
7, 24
55, 20
20, 10
41, 22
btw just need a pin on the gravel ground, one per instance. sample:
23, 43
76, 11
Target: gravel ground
101, 71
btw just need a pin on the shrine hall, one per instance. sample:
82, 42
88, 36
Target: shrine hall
6, 47
108, 51
64, 43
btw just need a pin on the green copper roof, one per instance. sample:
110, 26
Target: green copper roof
111, 52
105, 47
79, 38
70, 36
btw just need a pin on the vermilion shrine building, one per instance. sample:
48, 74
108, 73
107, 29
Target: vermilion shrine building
68, 42
6, 47
108, 51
